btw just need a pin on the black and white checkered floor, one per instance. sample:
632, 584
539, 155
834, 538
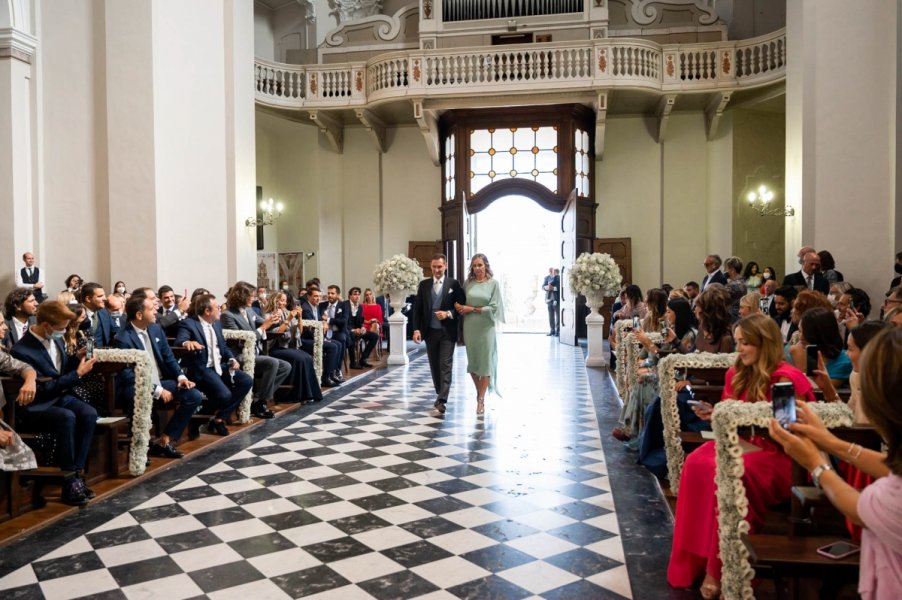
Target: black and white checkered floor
372, 497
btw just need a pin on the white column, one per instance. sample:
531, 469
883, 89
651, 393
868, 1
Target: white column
397, 323
841, 86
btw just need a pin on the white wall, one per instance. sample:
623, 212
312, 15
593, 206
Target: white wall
264, 44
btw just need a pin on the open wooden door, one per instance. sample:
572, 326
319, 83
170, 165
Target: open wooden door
621, 251
568, 306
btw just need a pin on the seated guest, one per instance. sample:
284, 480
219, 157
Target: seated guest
171, 310
692, 292
656, 305
269, 371
878, 508
331, 356
67, 298
894, 317
170, 386
632, 307
783, 300
752, 276
54, 407
20, 308
735, 284
334, 312
89, 388
767, 476
115, 305
768, 274
712, 309
119, 288
358, 331
373, 316
837, 290
893, 299
818, 327
805, 301
14, 454
98, 322
210, 364
809, 277
750, 304
767, 298
73, 284
262, 300
284, 343
828, 267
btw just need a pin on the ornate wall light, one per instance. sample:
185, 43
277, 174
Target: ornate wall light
760, 200
268, 214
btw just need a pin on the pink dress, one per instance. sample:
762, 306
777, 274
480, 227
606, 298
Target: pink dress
880, 509
767, 480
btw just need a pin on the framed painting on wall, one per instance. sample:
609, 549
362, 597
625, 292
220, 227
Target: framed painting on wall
291, 269
267, 270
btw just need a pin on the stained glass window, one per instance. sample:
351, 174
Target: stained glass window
449, 168
581, 162
525, 152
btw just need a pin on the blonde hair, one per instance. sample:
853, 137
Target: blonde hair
762, 332
752, 301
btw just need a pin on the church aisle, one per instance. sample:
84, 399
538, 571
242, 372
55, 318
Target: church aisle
372, 497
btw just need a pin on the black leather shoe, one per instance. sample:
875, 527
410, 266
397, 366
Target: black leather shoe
217, 428
327, 383
337, 376
336, 382
74, 492
439, 406
261, 411
89, 493
164, 450
365, 365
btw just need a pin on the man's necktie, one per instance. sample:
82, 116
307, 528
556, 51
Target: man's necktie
94, 319
24, 331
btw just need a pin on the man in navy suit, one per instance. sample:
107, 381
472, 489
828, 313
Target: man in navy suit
141, 332
171, 309
20, 308
211, 364
434, 319
357, 330
54, 407
713, 272
336, 311
331, 357
97, 320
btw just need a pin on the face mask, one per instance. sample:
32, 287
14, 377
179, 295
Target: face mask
766, 275
57, 335
898, 268
262, 297
116, 313
120, 290
284, 288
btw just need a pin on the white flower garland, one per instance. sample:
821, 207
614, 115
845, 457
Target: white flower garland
732, 503
670, 414
318, 337
596, 271
248, 341
141, 421
397, 273
620, 367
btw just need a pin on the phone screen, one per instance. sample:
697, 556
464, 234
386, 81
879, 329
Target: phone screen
784, 400
635, 322
89, 348
810, 359
838, 549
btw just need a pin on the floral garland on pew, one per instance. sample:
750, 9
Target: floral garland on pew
318, 337
667, 368
248, 341
732, 503
633, 347
619, 368
137, 456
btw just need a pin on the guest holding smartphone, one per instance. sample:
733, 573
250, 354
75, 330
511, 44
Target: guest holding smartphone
878, 508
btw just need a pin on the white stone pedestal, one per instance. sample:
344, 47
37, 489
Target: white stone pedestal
397, 324
595, 330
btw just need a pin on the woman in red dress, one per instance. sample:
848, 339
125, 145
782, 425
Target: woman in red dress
767, 477
372, 312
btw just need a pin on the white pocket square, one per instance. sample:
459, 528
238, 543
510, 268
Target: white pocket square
157, 340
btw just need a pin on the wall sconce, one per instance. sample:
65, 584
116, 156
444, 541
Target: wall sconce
269, 212
760, 200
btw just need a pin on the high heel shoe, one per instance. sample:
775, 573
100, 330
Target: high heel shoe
480, 406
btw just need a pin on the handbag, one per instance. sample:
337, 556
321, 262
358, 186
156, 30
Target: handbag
17, 456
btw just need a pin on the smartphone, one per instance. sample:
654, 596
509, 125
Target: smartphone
636, 323
783, 395
694, 402
662, 325
810, 359
89, 348
838, 550
763, 305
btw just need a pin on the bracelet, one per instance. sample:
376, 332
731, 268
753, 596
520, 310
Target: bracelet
817, 472
852, 447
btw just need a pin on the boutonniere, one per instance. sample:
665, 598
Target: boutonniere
450, 291
338, 311
156, 339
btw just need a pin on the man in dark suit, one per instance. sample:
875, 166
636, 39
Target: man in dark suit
358, 330
782, 304
115, 304
97, 320
335, 312
552, 287
20, 308
713, 273
434, 320
30, 277
211, 364
269, 371
768, 305
54, 407
141, 332
810, 276
331, 356
171, 311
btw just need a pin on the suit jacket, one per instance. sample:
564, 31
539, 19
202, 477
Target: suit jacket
715, 277
190, 329
51, 383
103, 335
309, 312
421, 314
355, 322
14, 333
797, 280
385, 306
170, 322
128, 339
339, 323
555, 294
232, 319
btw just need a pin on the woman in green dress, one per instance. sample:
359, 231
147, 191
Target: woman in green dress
484, 308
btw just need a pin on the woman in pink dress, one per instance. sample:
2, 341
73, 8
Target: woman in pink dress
767, 477
878, 508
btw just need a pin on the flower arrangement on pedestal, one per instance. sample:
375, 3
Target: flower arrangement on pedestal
397, 273
596, 272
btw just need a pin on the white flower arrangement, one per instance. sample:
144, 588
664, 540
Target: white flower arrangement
732, 503
397, 273
248, 341
595, 272
318, 337
137, 457
620, 368
667, 368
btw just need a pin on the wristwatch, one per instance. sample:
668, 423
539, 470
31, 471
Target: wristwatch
817, 472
